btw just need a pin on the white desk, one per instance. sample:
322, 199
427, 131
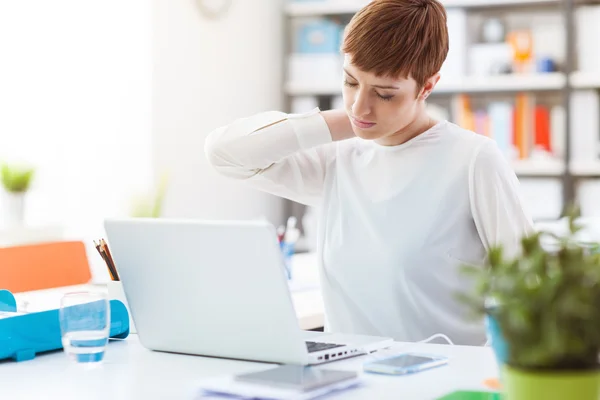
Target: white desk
132, 372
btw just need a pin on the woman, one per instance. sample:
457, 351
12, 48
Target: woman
404, 200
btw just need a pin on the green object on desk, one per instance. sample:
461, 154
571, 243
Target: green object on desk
471, 395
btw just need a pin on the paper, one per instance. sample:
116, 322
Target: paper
228, 387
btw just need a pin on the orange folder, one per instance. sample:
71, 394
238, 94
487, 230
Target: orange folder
43, 266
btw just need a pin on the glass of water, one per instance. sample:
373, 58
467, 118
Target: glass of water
85, 326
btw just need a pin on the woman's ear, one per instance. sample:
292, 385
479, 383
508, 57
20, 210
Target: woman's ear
429, 86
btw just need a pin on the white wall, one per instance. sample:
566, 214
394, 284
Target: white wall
75, 102
77, 79
205, 74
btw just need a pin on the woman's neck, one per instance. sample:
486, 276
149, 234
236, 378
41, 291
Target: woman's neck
420, 124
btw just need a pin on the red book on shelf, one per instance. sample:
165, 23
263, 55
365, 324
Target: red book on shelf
542, 128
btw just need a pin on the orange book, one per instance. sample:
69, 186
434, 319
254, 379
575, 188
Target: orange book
464, 115
523, 123
519, 119
514, 126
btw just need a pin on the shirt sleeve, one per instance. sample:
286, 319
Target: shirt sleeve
496, 205
282, 154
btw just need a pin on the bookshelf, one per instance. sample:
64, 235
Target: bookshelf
560, 86
583, 169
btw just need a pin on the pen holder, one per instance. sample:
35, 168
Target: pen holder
116, 292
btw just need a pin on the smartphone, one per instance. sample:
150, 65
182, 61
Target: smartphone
406, 363
297, 377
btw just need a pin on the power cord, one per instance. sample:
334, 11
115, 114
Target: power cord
437, 335
447, 339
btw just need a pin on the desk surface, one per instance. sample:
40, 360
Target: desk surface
130, 371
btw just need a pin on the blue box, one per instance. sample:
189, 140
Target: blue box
320, 36
24, 336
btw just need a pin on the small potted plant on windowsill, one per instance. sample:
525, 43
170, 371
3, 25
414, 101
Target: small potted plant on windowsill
546, 307
150, 205
16, 181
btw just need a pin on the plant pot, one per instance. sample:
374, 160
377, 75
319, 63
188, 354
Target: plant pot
13, 209
527, 385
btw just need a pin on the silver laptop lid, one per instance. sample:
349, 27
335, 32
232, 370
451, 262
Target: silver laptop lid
207, 288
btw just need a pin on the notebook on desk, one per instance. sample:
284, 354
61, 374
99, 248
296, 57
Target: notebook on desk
217, 289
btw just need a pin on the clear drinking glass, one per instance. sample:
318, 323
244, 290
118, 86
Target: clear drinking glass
85, 326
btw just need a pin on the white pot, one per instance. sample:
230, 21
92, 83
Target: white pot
13, 209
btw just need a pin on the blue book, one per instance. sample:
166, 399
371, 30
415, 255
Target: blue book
501, 125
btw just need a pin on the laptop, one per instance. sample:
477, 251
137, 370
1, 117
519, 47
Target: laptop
218, 288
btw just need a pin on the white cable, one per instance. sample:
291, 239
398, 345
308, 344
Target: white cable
437, 335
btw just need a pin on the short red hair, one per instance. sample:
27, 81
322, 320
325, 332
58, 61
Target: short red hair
392, 38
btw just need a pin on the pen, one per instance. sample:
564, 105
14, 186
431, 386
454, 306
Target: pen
280, 233
104, 252
110, 259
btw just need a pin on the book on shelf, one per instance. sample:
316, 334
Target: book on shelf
521, 128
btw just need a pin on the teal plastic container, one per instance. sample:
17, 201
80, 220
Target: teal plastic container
24, 336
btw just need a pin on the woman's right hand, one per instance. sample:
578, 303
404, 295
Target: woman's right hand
339, 124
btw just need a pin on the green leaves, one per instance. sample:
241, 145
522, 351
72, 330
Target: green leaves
151, 205
16, 179
547, 302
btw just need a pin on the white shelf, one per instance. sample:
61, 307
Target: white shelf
585, 168
538, 167
338, 7
494, 3
502, 83
316, 8
585, 80
491, 84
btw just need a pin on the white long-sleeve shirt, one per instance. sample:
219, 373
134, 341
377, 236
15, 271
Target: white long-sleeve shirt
395, 222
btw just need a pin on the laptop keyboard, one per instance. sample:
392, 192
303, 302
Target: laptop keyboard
315, 346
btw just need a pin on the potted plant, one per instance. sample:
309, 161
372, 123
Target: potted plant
16, 180
546, 306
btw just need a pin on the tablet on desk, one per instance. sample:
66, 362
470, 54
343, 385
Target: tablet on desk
297, 377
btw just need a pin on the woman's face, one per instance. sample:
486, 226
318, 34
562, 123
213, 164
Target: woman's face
381, 107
